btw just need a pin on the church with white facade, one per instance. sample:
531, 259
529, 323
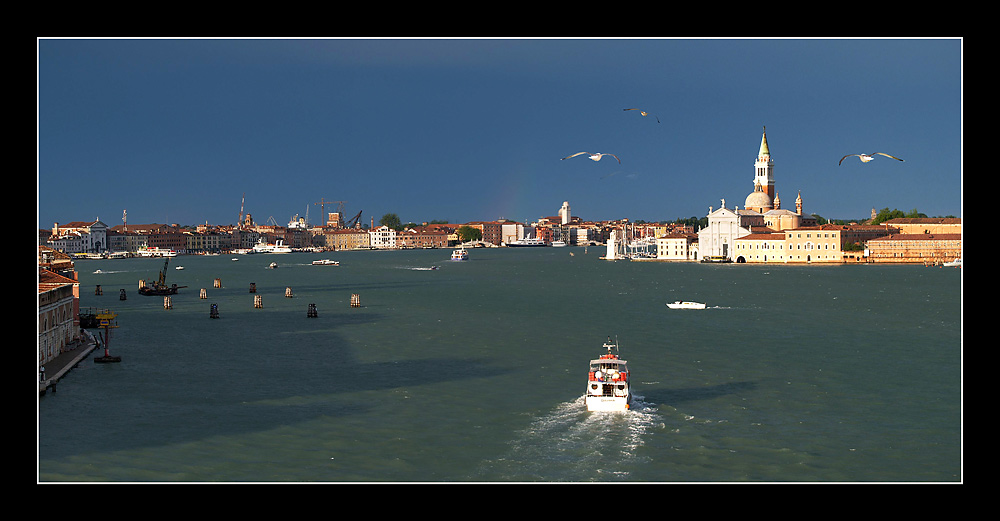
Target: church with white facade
761, 211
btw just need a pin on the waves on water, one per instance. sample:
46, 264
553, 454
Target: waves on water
571, 444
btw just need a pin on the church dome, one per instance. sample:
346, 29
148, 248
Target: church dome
758, 199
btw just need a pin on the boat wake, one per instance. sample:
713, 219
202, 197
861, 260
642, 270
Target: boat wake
572, 444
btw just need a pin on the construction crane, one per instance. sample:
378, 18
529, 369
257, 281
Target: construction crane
322, 208
239, 220
353, 222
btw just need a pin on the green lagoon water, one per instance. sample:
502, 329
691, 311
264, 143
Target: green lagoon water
475, 372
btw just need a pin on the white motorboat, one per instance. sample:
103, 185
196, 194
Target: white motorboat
272, 265
325, 262
558, 244
460, 254
178, 267
608, 382
957, 263
683, 304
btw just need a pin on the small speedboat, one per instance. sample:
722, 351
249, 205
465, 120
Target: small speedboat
178, 267
272, 265
683, 304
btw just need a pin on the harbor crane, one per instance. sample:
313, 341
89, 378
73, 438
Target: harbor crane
353, 222
322, 208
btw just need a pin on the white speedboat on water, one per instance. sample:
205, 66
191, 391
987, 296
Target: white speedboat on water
608, 382
325, 262
683, 304
460, 254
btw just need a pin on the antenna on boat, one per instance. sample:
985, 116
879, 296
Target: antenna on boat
611, 345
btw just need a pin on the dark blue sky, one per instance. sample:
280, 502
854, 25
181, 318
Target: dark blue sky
178, 130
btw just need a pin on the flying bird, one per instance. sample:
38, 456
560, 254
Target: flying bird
595, 156
644, 113
868, 157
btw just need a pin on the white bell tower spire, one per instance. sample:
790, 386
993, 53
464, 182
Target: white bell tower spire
764, 168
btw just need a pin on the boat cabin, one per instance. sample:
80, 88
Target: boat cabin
607, 375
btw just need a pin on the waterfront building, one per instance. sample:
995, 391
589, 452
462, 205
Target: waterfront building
511, 231
860, 234
347, 239
677, 247
935, 225
762, 247
382, 238
80, 237
202, 242
125, 241
915, 248
581, 235
420, 237
58, 303
492, 231
814, 244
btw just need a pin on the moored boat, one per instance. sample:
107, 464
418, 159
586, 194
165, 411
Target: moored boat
957, 263
277, 247
608, 382
527, 242
156, 252
684, 304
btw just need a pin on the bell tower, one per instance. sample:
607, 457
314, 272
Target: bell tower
764, 168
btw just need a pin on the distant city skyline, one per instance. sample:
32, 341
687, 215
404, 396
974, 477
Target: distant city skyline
178, 130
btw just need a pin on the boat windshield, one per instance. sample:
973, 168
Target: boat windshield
606, 365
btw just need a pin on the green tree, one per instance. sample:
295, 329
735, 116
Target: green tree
468, 233
696, 222
392, 221
886, 215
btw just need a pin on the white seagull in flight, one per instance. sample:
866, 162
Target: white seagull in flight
644, 113
595, 156
868, 157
